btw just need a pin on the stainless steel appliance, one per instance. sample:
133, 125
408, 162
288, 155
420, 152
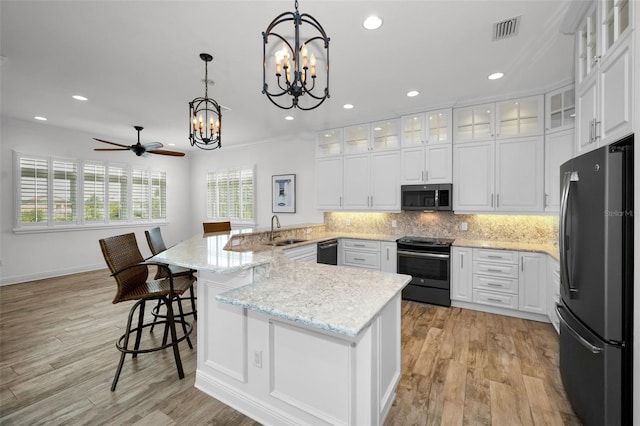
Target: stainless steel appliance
596, 292
328, 252
426, 197
427, 261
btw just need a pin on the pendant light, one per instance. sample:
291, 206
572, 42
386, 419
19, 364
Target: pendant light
296, 64
205, 119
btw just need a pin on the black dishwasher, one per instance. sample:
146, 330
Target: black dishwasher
328, 252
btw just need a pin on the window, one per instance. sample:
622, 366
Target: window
230, 195
55, 192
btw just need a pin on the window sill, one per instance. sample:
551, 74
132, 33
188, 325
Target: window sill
86, 227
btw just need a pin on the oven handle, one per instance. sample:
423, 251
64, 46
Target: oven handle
419, 254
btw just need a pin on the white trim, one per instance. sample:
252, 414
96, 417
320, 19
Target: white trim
50, 274
92, 227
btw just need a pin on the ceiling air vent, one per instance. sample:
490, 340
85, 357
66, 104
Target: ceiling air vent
507, 28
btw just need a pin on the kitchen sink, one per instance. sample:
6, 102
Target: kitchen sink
284, 242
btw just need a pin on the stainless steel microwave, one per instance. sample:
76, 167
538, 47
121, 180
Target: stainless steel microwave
427, 197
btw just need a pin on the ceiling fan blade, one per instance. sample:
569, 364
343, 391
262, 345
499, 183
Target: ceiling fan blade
152, 146
112, 143
165, 152
111, 149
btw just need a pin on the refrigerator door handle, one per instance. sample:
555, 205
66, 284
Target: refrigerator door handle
584, 342
569, 178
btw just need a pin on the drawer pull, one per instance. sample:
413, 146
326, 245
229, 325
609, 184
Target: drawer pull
492, 256
494, 285
494, 300
500, 271
358, 259
359, 245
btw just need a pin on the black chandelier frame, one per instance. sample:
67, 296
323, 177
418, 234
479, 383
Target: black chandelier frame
207, 138
298, 86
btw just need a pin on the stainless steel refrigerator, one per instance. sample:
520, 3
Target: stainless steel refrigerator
596, 269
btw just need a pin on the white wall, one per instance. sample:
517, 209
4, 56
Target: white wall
40, 255
289, 155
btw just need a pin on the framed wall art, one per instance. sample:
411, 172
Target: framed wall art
283, 193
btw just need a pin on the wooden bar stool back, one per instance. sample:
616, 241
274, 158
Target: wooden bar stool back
127, 265
216, 226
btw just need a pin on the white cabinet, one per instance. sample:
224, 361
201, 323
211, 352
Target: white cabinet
553, 291
357, 139
372, 181
385, 135
495, 278
519, 185
304, 253
604, 74
427, 154
329, 183
461, 274
505, 119
558, 148
560, 109
360, 253
389, 257
329, 143
532, 280
505, 175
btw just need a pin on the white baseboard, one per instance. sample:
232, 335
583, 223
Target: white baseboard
499, 311
49, 274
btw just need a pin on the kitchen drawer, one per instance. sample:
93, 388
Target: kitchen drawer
484, 282
502, 300
496, 269
361, 244
487, 255
362, 259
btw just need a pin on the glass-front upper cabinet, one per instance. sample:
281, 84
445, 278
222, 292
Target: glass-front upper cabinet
614, 18
474, 123
588, 45
329, 143
519, 117
357, 139
561, 108
412, 130
439, 126
386, 135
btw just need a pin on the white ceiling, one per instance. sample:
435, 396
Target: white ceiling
138, 61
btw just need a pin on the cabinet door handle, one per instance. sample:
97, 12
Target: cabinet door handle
426, 175
497, 201
491, 200
341, 201
388, 253
522, 264
591, 129
546, 199
461, 261
596, 136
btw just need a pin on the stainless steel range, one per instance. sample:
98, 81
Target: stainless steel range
427, 261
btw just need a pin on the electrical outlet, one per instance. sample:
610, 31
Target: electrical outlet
348, 222
257, 359
394, 223
464, 226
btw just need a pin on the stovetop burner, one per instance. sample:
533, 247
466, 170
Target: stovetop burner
425, 241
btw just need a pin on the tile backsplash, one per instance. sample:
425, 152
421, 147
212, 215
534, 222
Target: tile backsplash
516, 228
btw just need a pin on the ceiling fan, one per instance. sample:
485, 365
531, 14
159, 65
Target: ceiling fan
139, 149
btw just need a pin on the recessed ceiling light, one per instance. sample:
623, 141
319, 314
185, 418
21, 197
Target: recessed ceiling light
495, 76
79, 98
288, 118
413, 93
347, 106
372, 22
37, 117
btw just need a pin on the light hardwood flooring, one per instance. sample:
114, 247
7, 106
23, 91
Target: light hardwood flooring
57, 360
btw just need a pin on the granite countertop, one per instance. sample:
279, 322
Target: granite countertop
206, 252
318, 296
550, 249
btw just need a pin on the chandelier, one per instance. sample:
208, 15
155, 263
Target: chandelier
205, 119
294, 69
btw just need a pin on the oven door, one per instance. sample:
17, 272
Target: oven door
426, 269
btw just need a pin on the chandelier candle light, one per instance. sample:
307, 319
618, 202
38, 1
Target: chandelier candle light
295, 67
205, 118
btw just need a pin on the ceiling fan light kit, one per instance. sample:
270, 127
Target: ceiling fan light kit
139, 149
205, 118
294, 70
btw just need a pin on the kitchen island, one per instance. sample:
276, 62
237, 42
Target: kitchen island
289, 342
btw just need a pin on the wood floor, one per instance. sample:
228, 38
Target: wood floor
57, 360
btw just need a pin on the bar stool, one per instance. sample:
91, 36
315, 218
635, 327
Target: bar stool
216, 226
127, 266
157, 245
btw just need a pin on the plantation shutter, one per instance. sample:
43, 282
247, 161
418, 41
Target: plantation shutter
118, 193
230, 195
140, 194
34, 190
158, 195
94, 191
65, 191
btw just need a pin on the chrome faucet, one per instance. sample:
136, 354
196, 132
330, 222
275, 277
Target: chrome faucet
271, 237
